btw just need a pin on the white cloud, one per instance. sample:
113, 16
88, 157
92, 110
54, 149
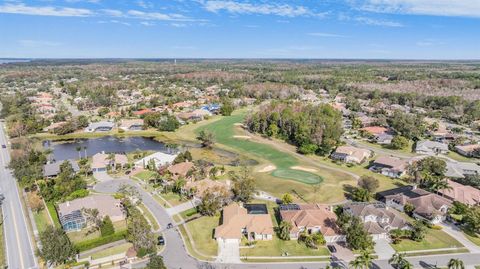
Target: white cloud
325, 35
144, 4
157, 16
459, 8
45, 10
147, 23
179, 25
116, 22
38, 43
375, 22
264, 9
112, 12
429, 43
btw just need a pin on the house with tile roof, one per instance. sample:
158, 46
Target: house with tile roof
351, 154
467, 150
461, 193
311, 218
431, 147
378, 219
427, 206
389, 166
238, 223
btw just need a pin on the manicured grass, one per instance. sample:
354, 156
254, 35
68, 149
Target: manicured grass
145, 175
189, 213
439, 252
189, 246
53, 213
150, 217
81, 236
42, 220
224, 132
460, 158
276, 247
202, 230
172, 198
475, 238
433, 240
112, 251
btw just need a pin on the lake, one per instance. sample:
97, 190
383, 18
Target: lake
68, 149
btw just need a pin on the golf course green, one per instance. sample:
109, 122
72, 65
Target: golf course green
224, 132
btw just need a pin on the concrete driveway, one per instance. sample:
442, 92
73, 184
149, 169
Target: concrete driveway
228, 251
456, 233
383, 249
182, 207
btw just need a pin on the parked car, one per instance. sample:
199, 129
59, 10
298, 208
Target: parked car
170, 225
4, 146
332, 248
161, 240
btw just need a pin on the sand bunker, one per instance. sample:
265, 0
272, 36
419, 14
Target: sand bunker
267, 168
301, 168
238, 124
242, 136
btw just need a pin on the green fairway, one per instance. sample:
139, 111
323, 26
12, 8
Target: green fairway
224, 132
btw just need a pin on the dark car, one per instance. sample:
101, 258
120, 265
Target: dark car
170, 225
161, 241
4, 146
332, 248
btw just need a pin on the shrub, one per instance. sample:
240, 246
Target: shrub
77, 194
93, 243
106, 228
436, 227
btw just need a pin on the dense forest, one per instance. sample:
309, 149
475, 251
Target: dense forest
312, 128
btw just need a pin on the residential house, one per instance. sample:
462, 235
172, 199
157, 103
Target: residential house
431, 147
158, 159
53, 126
131, 125
53, 169
180, 170
389, 166
383, 139
239, 222
102, 161
467, 150
374, 130
350, 154
377, 218
427, 206
461, 193
461, 169
311, 218
72, 218
200, 187
102, 126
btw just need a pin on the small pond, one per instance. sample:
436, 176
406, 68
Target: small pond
69, 149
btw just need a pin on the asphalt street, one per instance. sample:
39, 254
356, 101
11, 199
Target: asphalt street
19, 249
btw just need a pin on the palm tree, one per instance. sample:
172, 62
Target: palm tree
284, 230
396, 259
357, 263
366, 258
456, 264
85, 151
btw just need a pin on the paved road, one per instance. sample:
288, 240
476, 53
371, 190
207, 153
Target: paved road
19, 249
175, 254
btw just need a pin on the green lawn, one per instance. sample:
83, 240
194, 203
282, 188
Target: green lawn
277, 247
150, 217
42, 220
434, 239
53, 213
475, 238
172, 198
80, 236
145, 175
460, 158
202, 230
224, 132
112, 251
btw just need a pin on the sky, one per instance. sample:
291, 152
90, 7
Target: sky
339, 29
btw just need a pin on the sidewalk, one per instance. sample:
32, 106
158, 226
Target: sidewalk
182, 207
456, 233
